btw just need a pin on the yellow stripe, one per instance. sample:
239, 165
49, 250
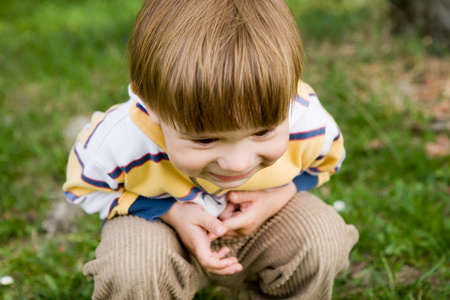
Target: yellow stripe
144, 123
124, 203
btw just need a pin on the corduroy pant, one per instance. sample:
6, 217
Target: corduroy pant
294, 255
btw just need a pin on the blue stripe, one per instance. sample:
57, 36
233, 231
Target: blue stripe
71, 196
301, 101
305, 182
116, 173
138, 105
138, 162
192, 194
113, 204
150, 208
306, 134
89, 138
337, 137
91, 181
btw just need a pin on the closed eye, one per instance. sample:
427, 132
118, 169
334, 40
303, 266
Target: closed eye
205, 141
263, 133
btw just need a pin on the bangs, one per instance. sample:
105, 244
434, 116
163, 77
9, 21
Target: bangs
222, 67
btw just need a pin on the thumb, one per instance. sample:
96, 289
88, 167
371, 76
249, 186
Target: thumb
213, 225
236, 222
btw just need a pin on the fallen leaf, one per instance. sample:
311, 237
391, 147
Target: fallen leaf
429, 90
61, 248
439, 148
440, 111
375, 144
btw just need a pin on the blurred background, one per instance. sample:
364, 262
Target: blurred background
382, 68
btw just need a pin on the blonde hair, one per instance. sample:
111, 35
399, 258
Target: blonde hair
216, 65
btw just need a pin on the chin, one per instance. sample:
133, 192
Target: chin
230, 185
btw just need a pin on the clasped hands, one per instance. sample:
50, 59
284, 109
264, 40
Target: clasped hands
244, 213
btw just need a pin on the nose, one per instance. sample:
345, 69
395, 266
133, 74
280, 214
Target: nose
236, 159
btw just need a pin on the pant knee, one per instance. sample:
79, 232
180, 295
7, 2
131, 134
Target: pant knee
313, 248
137, 259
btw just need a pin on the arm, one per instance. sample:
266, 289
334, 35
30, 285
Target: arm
106, 150
320, 170
97, 191
317, 167
92, 187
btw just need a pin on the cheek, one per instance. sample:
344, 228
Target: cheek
277, 150
277, 147
187, 161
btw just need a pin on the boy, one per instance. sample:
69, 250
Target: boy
218, 125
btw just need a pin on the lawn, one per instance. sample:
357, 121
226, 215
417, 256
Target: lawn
61, 60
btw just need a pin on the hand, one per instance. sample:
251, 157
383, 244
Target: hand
247, 210
192, 224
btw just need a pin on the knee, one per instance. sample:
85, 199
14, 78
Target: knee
137, 259
321, 232
316, 243
332, 247
115, 277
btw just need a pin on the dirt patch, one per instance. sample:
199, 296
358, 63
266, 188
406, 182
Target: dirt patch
60, 218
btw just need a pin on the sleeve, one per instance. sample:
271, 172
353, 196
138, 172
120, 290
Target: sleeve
99, 190
318, 170
150, 208
321, 170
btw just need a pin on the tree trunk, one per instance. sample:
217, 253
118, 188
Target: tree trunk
427, 17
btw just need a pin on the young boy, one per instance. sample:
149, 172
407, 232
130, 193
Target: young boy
217, 142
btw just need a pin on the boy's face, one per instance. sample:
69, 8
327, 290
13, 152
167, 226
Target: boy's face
226, 159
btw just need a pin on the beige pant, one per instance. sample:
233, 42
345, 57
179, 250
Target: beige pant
294, 255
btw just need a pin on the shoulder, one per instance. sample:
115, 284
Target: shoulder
109, 125
306, 111
114, 139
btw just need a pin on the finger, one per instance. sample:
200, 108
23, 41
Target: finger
211, 260
239, 221
228, 270
241, 196
221, 253
212, 225
227, 212
212, 236
217, 264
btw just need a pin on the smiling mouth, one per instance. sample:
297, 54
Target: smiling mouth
231, 178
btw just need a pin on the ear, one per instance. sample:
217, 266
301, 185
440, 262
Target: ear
153, 116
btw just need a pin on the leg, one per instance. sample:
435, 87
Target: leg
296, 254
138, 259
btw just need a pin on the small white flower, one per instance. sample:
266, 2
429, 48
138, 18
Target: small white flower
6, 280
339, 205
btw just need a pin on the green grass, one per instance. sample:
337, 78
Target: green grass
62, 59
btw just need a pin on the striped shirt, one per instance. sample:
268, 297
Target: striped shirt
119, 163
